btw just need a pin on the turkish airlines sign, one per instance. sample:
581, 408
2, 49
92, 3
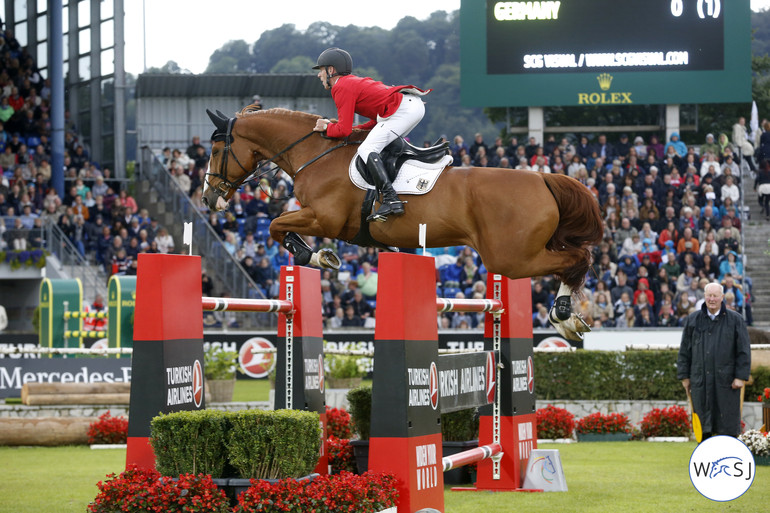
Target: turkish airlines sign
466, 380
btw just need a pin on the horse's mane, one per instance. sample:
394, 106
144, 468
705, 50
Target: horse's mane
256, 110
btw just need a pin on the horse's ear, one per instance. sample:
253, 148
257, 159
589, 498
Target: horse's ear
221, 115
219, 121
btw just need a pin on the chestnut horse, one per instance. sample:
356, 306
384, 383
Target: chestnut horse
522, 223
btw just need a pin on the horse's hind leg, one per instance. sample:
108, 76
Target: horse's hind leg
569, 325
285, 230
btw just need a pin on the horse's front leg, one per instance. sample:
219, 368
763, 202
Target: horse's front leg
285, 230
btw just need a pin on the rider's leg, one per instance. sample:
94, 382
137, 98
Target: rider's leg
400, 123
391, 203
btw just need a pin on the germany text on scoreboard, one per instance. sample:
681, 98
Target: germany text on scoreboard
605, 52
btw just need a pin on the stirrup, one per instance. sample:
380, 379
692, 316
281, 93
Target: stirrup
393, 208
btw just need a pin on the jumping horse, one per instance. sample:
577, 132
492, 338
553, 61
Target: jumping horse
522, 223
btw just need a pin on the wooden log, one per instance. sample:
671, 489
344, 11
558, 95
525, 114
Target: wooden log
53, 399
72, 388
45, 430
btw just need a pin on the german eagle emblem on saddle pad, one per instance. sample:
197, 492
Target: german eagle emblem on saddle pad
414, 177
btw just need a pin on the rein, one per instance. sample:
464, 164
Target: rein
226, 185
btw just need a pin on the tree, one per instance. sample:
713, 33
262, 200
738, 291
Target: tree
170, 67
445, 116
233, 57
300, 64
285, 42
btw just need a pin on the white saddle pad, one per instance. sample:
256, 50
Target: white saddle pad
414, 177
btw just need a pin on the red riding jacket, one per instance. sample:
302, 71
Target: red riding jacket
365, 96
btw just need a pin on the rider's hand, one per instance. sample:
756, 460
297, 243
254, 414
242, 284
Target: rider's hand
320, 125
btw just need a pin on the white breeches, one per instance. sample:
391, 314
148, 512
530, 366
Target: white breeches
400, 123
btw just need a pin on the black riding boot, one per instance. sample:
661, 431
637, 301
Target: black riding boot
391, 204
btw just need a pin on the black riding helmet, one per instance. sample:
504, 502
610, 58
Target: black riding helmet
336, 57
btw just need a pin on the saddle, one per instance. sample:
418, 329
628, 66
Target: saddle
399, 151
393, 156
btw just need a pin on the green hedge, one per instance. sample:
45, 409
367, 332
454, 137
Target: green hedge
460, 426
618, 375
191, 442
274, 444
254, 443
360, 401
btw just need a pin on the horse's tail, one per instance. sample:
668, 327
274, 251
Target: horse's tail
580, 226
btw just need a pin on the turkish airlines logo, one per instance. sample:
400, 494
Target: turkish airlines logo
102, 343
433, 385
552, 342
491, 377
256, 365
197, 383
530, 375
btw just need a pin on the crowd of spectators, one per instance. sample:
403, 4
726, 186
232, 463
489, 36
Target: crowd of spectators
96, 213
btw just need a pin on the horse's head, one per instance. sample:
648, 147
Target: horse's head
232, 162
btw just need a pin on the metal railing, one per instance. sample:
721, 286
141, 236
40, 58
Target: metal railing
59, 245
218, 262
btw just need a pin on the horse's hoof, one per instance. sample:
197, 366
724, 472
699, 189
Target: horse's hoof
326, 259
573, 328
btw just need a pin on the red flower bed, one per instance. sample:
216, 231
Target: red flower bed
765, 397
141, 491
338, 423
671, 421
340, 454
108, 430
345, 492
553, 422
600, 423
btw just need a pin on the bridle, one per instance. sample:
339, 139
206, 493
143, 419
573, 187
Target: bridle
225, 186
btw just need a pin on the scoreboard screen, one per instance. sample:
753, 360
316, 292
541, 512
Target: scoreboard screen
600, 52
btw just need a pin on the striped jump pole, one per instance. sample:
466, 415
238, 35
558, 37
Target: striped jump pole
225, 304
444, 304
167, 364
472, 456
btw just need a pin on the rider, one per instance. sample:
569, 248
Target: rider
393, 111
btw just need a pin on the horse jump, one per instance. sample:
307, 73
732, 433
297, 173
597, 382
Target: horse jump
167, 365
59, 324
410, 376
